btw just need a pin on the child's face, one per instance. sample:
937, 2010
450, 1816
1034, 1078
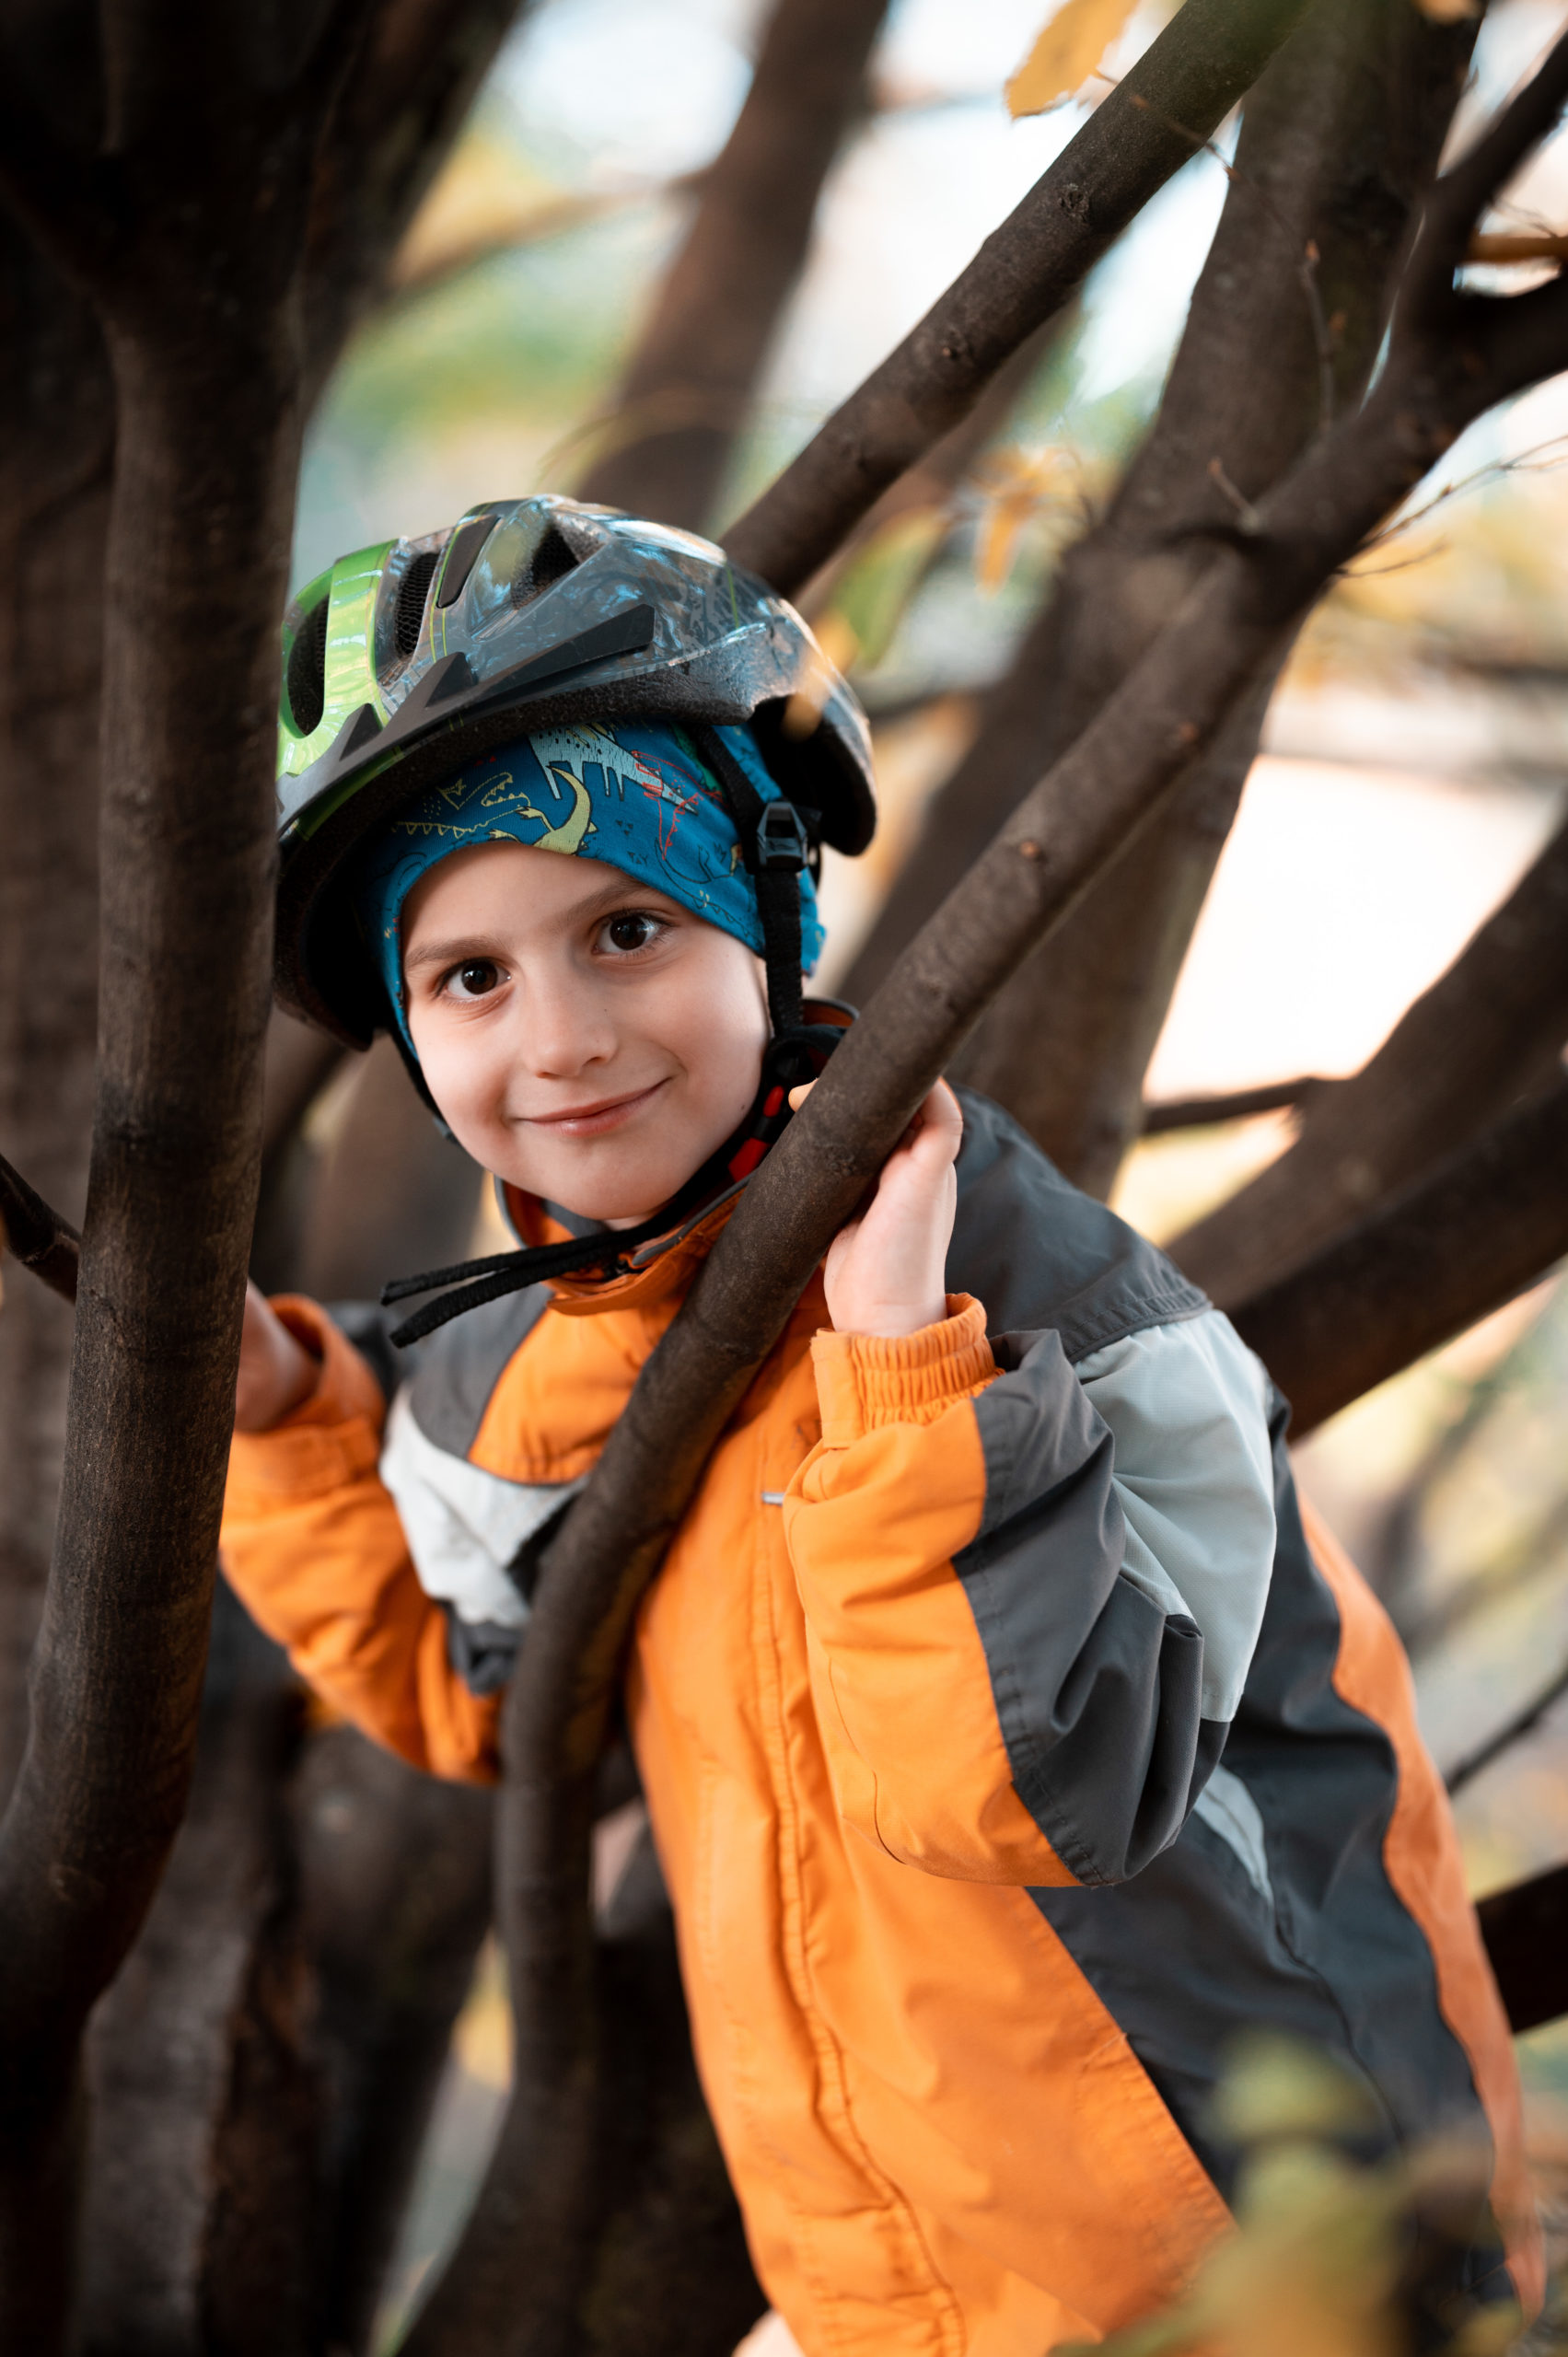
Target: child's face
583, 1037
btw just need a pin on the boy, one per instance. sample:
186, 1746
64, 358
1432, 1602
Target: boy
1007, 1744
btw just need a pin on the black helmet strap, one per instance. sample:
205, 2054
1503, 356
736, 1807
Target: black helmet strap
775, 846
776, 849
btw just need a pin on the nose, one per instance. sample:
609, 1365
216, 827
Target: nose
566, 1027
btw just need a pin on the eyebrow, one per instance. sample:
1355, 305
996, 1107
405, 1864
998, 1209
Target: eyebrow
620, 892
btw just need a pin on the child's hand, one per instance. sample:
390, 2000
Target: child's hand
275, 1371
886, 1272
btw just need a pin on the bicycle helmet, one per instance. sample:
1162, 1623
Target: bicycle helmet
405, 660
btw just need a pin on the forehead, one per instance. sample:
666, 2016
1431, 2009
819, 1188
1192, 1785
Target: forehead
489, 886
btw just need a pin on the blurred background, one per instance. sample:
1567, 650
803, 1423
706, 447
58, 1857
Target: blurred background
1415, 761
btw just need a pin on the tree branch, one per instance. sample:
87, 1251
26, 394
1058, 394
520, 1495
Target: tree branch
39, 1237
1162, 1115
1339, 141
699, 356
1512, 1730
1175, 97
1525, 1931
536, 2201
1477, 1230
1456, 1059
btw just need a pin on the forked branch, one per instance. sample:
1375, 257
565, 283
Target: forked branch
1175, 95
537, 2200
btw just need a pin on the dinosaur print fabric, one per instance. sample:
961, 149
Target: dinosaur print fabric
636, 796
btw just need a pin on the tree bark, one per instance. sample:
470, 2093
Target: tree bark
395, 1889
56, 450
1448, 357
1525, 1931
1484, 1224
201, 2232
1177, 95
1457, 1058
415, 76
185, 219
1337, 141
690, 387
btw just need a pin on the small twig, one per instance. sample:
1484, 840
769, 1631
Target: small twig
37, 1235
1236, 1105
1247, 515
1498, 245
1321, 334
1511, 1732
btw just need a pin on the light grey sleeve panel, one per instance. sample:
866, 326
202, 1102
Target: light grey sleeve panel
1187, 1412
465, 1527
1097, 1684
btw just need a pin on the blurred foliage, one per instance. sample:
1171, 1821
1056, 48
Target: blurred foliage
1070, 44
1333, 2256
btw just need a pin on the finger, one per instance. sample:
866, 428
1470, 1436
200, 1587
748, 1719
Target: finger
797, 1096
935, 1136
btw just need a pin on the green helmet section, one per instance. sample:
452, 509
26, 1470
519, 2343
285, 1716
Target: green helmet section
405, 660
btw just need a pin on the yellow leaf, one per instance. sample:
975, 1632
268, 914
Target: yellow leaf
1067, 50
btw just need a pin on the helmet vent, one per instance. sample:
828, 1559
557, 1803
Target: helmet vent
306, 682
411, 596
551, 562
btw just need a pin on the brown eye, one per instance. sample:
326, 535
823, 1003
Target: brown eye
476, 979
633, 930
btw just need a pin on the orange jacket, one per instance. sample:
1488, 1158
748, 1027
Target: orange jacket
969, 1905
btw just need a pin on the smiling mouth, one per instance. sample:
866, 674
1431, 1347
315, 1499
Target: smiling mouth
593, 1120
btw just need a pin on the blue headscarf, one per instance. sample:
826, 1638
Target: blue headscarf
636, 796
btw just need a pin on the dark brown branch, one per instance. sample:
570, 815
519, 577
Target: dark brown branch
1484, 1032
1512, 1730
39, 1238
1339, 141
536, 2201
201, 313
688, 388
391, 127
1525, 1931
1488, 1222
1175, 97
1162, 1115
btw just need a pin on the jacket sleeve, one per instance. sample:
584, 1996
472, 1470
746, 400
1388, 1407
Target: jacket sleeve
313, 1545
1008, 1591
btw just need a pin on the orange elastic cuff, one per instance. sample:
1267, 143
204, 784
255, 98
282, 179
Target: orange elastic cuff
863, 1380
331, 1437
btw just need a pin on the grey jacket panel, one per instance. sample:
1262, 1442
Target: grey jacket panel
1188, 1406
457, 1368
1037, 1252
1099, 1689
1274, 1908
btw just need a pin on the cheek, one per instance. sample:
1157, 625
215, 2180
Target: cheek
461, 1069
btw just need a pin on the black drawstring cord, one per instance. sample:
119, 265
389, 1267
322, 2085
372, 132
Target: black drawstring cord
474, 1283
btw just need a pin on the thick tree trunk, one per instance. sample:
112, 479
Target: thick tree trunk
395, 1883
688, 392
56, 450
1338, 140
203, 483
202, 2229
